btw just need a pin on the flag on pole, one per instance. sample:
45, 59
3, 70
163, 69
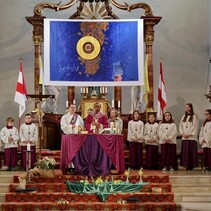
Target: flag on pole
21, 93
139, 94
41, 79
144, 90
162, 100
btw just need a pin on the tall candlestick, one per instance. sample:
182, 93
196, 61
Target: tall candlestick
118, 103
28, 147
112, 103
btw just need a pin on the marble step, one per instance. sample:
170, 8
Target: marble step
2, 197
4, 187
6, 178
195, 206
195, 197
190, 179
191, 188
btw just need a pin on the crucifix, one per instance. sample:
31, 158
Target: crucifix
38, 111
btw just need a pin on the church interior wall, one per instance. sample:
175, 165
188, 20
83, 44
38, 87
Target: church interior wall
182, 39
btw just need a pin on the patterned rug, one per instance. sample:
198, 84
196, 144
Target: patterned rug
53, 194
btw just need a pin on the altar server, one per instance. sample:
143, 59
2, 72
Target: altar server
167, 139
28, 135
135, 138
205, 140
97, 121
152, 142
71, 123
115, 122
9, 137
188, 129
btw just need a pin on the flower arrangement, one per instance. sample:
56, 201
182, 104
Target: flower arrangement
46, 163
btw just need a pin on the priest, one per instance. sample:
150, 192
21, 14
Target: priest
98, 121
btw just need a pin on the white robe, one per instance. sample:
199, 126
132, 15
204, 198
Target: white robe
167, 131
151, 133
205, 134
28, 133
190, 128
67, 127
135, 131
6, 133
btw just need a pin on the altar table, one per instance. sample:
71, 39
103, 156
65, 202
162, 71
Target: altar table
92, 154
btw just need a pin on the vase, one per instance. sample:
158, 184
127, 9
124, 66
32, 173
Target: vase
47, 173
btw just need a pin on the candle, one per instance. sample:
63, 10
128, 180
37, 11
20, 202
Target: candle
100, 90
87, 90
118, 103
81, 90
106, 90
67, 104
112, 103
74, 101
84, 90
103, 90
28, 147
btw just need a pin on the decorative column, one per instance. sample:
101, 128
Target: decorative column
149, 23
70, 94
38, 24
117, 97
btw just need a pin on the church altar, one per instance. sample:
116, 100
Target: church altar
92, 154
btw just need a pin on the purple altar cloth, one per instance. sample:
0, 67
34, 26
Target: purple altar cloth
92, 154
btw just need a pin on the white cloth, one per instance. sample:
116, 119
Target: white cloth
189, 128
135, 131
151, 133
28, 133
168, 131
66, 127
205, 134
6, 133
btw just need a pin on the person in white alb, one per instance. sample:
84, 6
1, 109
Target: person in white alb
205, 140
152, 142
188, 129
28, 135
10, 138
115, 122
135, 137
71, 123
168, 141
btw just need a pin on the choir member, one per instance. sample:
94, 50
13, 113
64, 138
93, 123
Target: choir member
115, 122
71, 123
96, 122
188, 129
152, 142
167, 140
135, 138
9, 136
205, 140
28, 136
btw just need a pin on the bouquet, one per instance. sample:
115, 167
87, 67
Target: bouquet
46, 163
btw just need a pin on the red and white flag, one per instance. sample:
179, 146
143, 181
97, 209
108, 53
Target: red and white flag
21, 93
162, 100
